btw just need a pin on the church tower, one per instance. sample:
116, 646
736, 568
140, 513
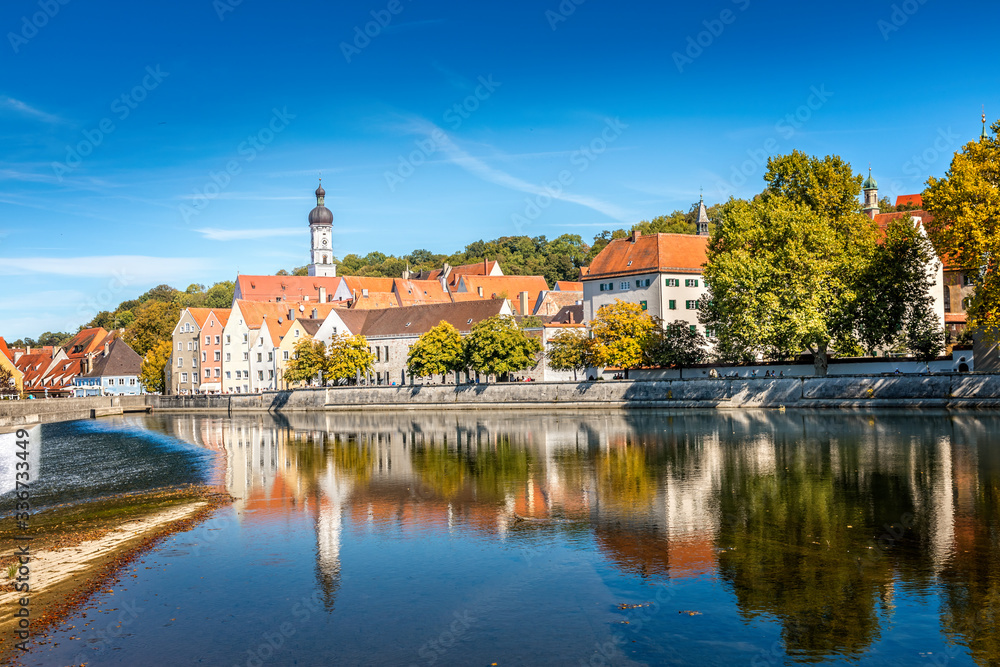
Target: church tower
321, 231
871, 195
702, 218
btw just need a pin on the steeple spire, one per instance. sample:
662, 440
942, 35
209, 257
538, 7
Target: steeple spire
870, 187
984, 136
703, 220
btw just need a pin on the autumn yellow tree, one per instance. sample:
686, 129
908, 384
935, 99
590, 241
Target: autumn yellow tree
348, 357
966, 226
620, 331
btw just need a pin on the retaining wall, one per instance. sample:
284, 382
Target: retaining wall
34, 411
941, 391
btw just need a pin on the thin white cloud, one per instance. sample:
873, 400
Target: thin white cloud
214, 234
489, 174
26, 110
126, 269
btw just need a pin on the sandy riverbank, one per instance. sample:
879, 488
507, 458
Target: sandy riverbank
79, 549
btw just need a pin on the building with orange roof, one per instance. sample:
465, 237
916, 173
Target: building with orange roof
452, 274
183, 375
659, 272
523, 292
279, 289
420, 292
569, 286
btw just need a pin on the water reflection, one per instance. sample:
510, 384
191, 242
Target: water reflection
818, 521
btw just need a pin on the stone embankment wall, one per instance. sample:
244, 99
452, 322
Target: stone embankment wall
930, 391
17, 413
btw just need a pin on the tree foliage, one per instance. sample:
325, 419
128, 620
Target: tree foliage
498, 346
348, 357
676, 344
800, 267
620, 331
308, 360
966, 226
154, 366
437, 352
570, 350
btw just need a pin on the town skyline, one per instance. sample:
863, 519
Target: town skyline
127, 216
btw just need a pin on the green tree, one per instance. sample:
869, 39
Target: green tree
569, 350
827, 186
154, 366
220, 295
619, 331
348, 357
497, 346
308, 360
8, 385
924, 335
676, 344
437, 352
893, 291
154, 322
966, 226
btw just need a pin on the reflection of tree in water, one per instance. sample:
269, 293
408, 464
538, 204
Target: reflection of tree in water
972, 579
788, 550
625, 478
490, 471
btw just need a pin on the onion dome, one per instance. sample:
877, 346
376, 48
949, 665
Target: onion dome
320, 215
870, 183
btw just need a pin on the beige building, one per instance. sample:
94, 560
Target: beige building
184, 372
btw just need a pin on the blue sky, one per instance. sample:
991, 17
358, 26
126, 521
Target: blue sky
119, 120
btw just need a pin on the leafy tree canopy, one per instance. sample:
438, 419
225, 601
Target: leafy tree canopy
154, 365
498, 346
676, 344
570, 350
348, 357
437, 352
620, 331
308, 360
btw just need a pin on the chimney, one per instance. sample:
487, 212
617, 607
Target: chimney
291, 314
322, 295
524, 304
29, 350
364, 292
315, 314
107, 348
636, 234
571, 318
444, 284
480, 289
486, 267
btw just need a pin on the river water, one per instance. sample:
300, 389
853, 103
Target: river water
639, 538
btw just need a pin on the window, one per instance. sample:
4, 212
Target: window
246, 356
387, 353
229, 339
110, 381
190, 346
285, 355
672, 305
673, 282
694, 329
260, 375
270, 375
208, 374
246, 338
625, 284
208, 340
229, 375
204, 356
218, 356
217, 340
131, 381
180, 362
691, 282
184, 377
216, 371
296, 333
229, 356
180, 346
691, 305
194, 362
709, 332
643, 304
270, 356
378, 353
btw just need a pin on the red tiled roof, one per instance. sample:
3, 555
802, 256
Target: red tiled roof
86, 342
419, 292
509, 287
5, 350
651, 253
286, 288
358, 284
569, 286
375, 300
955, 318
910, 200
200, 315
483, 268
254, 312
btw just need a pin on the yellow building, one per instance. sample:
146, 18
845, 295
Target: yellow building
7, 364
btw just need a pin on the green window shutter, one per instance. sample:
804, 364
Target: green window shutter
643, 304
